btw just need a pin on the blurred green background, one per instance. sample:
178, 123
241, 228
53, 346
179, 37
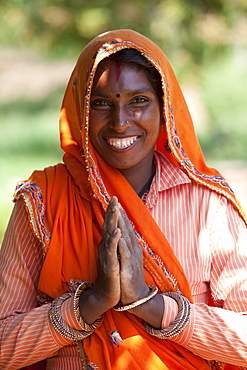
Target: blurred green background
40, 40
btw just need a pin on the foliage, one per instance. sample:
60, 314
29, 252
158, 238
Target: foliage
191, 32
224, 96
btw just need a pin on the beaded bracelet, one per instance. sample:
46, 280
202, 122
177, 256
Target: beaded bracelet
59, 324
152, 293
179, 324
76, 305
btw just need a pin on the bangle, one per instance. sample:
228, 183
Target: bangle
59, 324
181, 321
76, 305
152, 293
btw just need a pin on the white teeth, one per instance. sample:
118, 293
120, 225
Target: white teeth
122, 143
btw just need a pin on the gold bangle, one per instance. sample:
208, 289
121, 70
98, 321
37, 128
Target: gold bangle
76, 305
59, 324
180, 322
152, 293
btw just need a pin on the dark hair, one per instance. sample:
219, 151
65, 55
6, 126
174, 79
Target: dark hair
133, 56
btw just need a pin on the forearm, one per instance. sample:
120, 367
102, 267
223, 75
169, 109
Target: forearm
28, 338
217, 334
26, 335
212, 333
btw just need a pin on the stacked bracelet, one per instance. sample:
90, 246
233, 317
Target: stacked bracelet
179, 324
76, 304
59, 324
152, 293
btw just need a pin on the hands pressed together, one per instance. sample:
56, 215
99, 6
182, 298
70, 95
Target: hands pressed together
121, 274
120, 268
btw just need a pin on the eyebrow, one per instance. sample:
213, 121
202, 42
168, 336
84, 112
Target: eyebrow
129, 94
140, 91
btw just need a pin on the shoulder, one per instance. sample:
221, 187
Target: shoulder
42, 180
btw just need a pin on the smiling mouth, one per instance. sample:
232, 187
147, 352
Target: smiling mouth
122, 143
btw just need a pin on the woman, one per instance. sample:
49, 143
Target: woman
122, 244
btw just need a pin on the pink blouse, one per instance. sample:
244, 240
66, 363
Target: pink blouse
210, 243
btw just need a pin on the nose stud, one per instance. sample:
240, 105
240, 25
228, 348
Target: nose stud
127, 122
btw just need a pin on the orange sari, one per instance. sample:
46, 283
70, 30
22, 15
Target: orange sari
73, 198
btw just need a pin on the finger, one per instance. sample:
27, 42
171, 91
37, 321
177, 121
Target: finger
124, 227
124, 254
111, 217
108, 249
127, 230
131, 273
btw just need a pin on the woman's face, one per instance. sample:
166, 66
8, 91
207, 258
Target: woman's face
125, 116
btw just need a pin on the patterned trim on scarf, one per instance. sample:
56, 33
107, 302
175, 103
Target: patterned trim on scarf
183, 158
209, 181
34, 203
158, 261
33, 199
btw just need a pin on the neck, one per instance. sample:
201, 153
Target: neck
138, 176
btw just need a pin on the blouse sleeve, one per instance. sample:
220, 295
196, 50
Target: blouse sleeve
26, 334
220, 333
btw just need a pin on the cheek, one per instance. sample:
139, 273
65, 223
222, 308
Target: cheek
95, 121
93, 129
155, 123
99, 118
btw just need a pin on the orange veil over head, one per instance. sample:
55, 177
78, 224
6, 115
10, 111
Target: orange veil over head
67, 204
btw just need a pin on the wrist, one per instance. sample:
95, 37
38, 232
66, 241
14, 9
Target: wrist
91, 306
101, 298
141, 294
152, 291
146, 306
151, 311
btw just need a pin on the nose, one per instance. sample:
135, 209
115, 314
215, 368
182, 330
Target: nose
120, 118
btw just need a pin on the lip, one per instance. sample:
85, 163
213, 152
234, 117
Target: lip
122, 143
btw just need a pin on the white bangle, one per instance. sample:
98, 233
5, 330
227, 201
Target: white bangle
152, 293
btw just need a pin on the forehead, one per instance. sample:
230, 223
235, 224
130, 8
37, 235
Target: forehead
114, 73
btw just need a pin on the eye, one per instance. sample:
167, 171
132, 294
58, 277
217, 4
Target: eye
140, 100
100, 103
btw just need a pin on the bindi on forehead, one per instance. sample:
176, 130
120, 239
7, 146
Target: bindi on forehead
117, 71
117, 74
